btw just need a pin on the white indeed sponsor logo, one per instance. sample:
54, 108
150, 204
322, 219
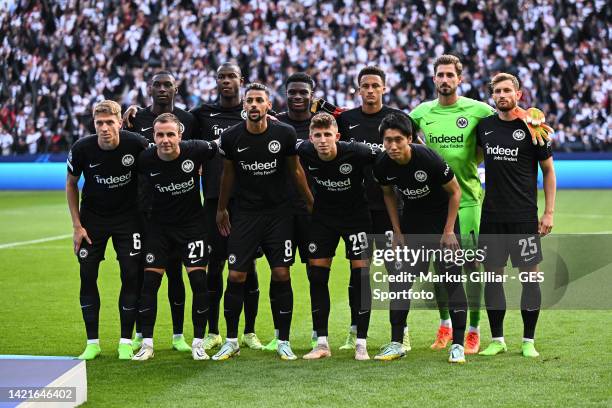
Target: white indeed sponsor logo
114, 181
334, 185
176, 187
258, 166
370, 145
503, 153
416, 193
217, 130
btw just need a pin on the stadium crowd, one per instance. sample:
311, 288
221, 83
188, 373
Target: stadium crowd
59, 58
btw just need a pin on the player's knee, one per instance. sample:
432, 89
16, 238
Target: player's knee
321, 262
280, 274
237, 277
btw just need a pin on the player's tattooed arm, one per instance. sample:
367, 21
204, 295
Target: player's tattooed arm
550, 189
130, 113
295, 168
227, 183
72, 195
449, 240
390, 199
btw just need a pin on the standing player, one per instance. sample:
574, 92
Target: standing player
257, 155
431, 196
509, 224
449, 124
361, 125
108, 209
340, 210
162, 88
213, 119
176, 224
299, 96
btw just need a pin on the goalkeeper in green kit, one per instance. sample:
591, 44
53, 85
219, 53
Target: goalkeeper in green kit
448, 124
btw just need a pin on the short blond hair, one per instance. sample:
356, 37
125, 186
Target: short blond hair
323, 120
107, 107
504, 76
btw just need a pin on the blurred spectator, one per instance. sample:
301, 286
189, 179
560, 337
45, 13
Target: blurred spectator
59, 58
6, 142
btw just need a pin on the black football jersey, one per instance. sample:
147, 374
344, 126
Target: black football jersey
355, 125
260, 164
302, 129
111, 176
511, 170
338, 184
213, 119
175, 184
419, 182
143, 123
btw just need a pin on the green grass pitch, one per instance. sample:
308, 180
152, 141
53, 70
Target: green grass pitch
40, 315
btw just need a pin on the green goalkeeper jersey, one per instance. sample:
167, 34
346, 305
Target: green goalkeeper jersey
451, 131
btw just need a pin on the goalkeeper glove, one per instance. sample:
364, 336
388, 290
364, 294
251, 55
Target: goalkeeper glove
321, 105
534, 119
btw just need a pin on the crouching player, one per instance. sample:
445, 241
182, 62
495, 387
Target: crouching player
431, 196
509, 223
172, 171
340, 210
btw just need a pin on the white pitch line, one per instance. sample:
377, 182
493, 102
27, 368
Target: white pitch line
34, 241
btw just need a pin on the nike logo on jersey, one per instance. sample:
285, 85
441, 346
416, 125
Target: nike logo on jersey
145, 129
91, 166
528, 259
490, 131
144, 310
357, 253
196, 260
241, 150
202, 311
312, 168
286, 259
127, 309
84, 306
429, 123
155, 174
363, 312
215, 114
353, 126
391, 178
134, 253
